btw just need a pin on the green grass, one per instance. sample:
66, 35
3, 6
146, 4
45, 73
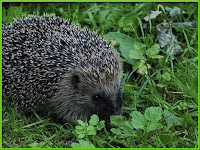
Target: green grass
160, 94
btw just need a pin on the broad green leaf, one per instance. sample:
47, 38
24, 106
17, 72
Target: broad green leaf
76, 145
128, 133
126, 44
79, 131
117, 120
82, 144
37, 145
126, 22
142, 69
153, 126
42, 144
101, 125
154, 50
127, 129
171, 119
138, 64
81, 123
128, 124
138, 120
94, 120
80, 136
137, 52
166, 76
34, 145
79, 128
116, 131
153, 114
86, 144
91, 130
157, 56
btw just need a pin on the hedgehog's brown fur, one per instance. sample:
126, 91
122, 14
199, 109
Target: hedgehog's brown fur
52, 65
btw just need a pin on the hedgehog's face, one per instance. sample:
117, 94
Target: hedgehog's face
106, 104
101, 96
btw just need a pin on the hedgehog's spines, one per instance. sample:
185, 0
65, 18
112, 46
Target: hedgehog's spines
40, 53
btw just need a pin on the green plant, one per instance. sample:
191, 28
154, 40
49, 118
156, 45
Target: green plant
85, 129
160, 90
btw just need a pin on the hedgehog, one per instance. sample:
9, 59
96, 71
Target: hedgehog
52, 65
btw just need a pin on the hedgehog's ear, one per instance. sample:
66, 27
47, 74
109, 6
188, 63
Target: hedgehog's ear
75, 80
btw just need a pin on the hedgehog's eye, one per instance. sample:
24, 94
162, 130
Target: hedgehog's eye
75, 80
96, 97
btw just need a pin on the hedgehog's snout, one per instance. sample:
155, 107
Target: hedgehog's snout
118, 110
118, 107
118, 104
107, 105
114, 109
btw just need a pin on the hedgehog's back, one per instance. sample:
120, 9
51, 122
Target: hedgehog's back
32, 64
37, 51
